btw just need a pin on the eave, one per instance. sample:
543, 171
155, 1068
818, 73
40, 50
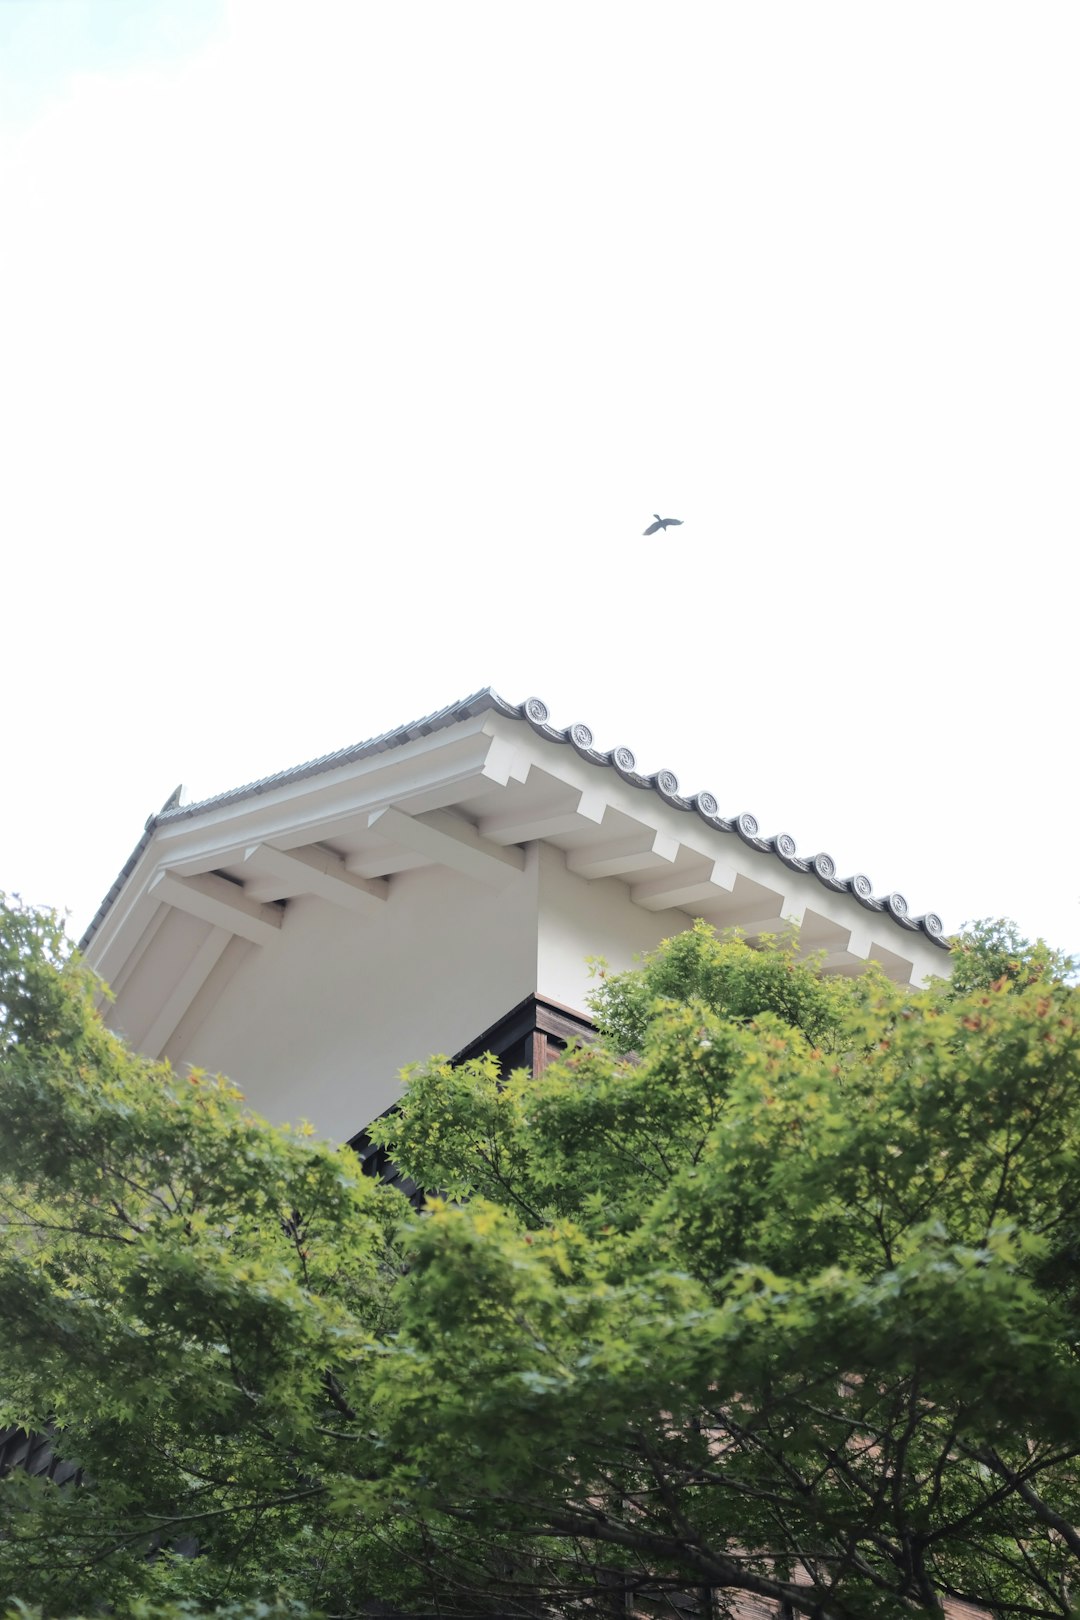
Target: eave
470, 788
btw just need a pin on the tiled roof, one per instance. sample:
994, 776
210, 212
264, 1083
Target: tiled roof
35, 1455
534, 711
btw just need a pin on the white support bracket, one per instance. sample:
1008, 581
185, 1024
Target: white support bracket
382, 861
278, 873
789, 913
525, 826
859, 945
696, 886
222, 904
506, 762
448, 840
622, 856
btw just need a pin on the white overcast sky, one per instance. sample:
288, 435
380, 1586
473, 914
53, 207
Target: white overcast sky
346, 349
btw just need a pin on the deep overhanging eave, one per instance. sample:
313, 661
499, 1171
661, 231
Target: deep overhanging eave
578, 738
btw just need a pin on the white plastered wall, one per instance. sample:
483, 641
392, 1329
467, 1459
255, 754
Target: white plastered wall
317, 1024
581, 919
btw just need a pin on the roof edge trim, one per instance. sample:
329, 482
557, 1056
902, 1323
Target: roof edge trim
534, 711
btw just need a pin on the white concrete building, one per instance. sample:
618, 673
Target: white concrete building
310, 933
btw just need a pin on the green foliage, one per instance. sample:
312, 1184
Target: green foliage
37, 1005
772, 1290
141, 1610
725, 975
995, 953
188, 1298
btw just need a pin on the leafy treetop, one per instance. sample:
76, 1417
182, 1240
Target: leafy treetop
770, 1291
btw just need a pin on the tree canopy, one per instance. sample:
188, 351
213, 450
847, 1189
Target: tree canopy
771, 1291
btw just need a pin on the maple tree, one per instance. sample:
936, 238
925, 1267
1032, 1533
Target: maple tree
770, 1290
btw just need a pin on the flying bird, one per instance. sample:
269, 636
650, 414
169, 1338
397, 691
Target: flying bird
662, 523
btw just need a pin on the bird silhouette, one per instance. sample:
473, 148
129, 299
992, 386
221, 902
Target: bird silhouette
662, 523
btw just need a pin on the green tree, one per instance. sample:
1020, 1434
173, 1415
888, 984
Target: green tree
185, 1294
989, 951
772, 1290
